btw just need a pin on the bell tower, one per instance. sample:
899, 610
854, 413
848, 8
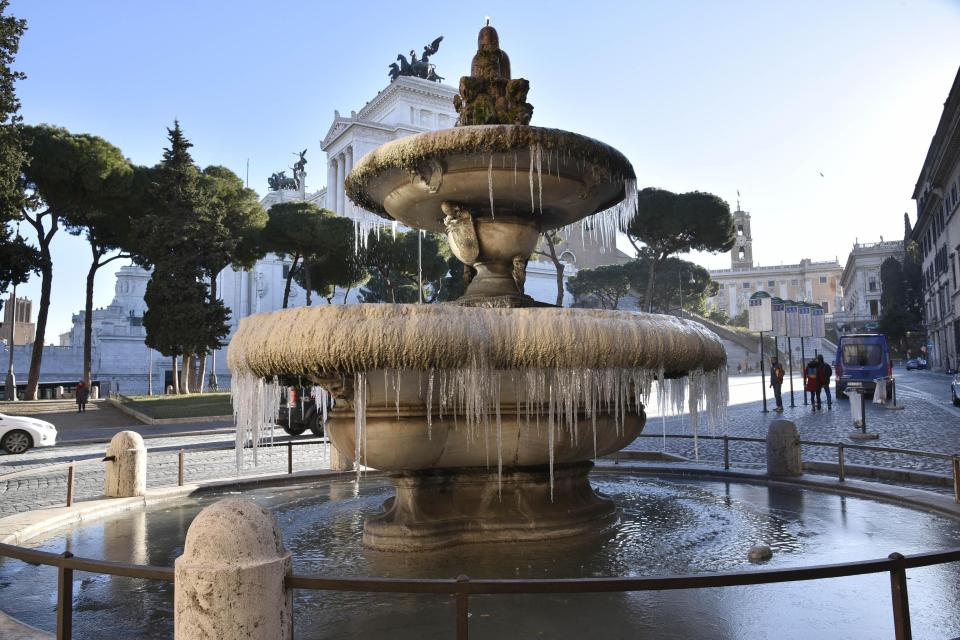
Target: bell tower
741, 256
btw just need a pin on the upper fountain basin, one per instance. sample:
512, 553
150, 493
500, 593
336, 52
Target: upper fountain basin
548, 176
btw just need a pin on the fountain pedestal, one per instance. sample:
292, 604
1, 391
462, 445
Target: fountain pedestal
437, 508
462, 484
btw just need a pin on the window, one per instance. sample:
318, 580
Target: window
862, 355
746, 285
771, 283
874, 308
872, 285
823, 279
794, 282
739, 229
826, 307
741, 254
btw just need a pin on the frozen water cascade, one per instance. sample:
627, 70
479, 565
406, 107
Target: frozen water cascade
487, 411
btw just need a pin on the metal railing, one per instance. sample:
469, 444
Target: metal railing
839, 446
70, 466
462, 587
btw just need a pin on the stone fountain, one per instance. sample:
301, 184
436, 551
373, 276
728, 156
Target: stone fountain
486, 412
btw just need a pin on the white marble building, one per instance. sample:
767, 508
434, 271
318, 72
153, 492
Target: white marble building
861, 283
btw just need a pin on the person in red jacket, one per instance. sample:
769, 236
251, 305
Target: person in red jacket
811, 383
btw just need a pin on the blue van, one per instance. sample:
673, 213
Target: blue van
861, 359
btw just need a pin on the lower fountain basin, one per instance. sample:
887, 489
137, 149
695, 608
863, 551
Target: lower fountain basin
405, 442
667, 526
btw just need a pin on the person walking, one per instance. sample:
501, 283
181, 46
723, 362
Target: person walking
811, 383
81, 396
826, 372
776, 381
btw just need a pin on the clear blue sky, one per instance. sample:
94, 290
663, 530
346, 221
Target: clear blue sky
718, 96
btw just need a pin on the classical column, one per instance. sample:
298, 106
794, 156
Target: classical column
349, 160
330, 203
341, 176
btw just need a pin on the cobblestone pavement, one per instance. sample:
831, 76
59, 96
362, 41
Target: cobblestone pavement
928, 422
200, 463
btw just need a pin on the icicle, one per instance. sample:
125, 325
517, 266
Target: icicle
396, 389
490, 185
430, 406
540, 176
499, 443
360, 421
533, 206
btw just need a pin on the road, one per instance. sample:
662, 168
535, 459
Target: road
929, 422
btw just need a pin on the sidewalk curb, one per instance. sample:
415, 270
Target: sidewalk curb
172, 434
145, 419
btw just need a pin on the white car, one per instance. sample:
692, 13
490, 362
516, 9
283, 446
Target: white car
19, 433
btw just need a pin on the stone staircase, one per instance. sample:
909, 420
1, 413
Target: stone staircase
741, 348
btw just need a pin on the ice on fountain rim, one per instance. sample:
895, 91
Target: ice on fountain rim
357, 338
568, 400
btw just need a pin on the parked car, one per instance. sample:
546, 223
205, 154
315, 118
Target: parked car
861, 359
955, 390
19, 433
912, 364
299, 412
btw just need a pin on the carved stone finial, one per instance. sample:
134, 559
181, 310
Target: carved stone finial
489, 95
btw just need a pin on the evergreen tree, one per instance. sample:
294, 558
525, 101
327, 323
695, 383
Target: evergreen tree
106, 226
183, 235
668, 223
333, 261
296, 230
601, 287
69, 176
393, 266
17, 258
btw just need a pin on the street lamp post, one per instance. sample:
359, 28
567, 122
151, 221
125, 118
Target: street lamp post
11, 389
680, 282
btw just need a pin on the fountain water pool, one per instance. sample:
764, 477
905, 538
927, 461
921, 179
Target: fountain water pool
667, 526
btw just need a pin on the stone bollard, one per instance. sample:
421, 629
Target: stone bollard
783, 449
59, 392
127, 474
94, 392
229, 582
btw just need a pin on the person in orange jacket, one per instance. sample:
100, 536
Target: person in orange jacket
776, 381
